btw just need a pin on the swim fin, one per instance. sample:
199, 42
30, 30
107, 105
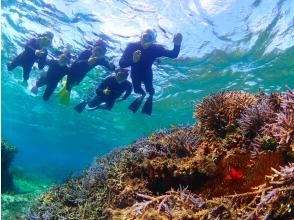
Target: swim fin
80, 107
64, 96
147, 108
134, 106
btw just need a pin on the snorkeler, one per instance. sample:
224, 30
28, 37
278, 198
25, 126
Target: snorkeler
56, 71
140, 56
86, 61
110, 89
35, 51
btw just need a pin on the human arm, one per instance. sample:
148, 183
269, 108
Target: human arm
128, 91
32, 45
109, 65
85, 55
42, 59
162, 52
104, 85
127, 57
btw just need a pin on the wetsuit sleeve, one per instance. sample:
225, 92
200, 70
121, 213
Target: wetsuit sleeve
85, 55
42, 60
128, 91
160, 51
104, 84
64, 73
127, 57
107, 65
31, 46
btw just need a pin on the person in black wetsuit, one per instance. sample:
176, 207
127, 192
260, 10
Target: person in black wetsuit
110, 89
86, 61
140, 56
56, 71
35, 51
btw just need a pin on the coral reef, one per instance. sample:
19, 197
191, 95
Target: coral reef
8, 152
235, 163
219, 112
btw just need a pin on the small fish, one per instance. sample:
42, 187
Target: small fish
234, 174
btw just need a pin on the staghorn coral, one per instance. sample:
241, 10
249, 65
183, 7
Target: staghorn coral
282, 129
178, 142
220, 111
264, 201
144, 180
175, 204
256, 116
274, 199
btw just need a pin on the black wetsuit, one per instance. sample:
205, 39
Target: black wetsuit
142, 70
51, 78
116, 91
28, 57
80, 68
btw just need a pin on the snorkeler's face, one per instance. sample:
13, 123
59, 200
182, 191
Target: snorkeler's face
147, 39
63, 59
98, 52
46, 41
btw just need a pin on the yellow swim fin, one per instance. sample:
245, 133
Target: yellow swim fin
64, 96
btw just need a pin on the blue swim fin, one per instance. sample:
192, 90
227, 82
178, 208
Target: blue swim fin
134, 106
147, 108
80, 107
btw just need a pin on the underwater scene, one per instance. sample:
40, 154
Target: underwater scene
131, 109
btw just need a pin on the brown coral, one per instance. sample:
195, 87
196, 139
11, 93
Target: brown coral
220, 111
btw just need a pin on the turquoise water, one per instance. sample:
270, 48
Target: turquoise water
228, 44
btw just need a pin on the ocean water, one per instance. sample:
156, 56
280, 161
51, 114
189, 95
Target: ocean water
227, 44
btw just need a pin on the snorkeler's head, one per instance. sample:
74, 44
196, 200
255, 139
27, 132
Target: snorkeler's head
99, 48
148, 37
121, 75
65, 57
46, 39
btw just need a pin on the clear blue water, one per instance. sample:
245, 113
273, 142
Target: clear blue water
228, 44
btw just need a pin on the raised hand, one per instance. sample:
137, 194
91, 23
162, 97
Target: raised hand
178, 39
92, 60
136, 56
106, 92
39, 53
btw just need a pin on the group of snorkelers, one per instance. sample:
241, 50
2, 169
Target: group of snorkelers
138, 55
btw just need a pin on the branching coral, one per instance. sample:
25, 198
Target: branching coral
264, 201
256, 116
220, 111
178, 142
174, 204
283, 128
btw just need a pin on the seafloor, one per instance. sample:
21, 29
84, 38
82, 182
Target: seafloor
236, 162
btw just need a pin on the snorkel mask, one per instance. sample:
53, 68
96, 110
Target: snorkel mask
46, 39
99, 48
148, 37
65, 57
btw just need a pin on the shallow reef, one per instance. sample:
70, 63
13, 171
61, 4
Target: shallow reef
236, 162
16, 204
